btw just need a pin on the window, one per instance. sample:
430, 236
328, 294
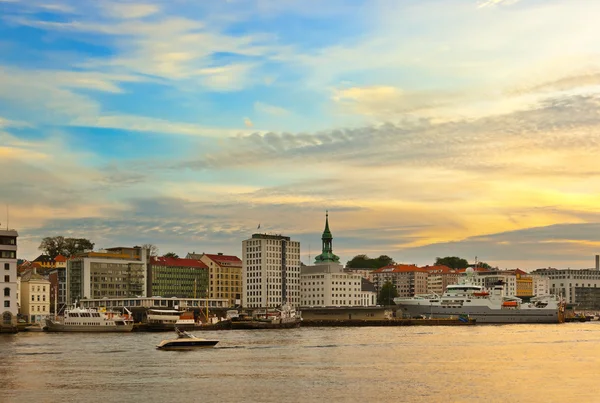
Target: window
7, 292
7, 304
33, 298
7, 279
6, 266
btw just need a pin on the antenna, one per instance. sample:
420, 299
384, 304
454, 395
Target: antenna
7, 217
309, 254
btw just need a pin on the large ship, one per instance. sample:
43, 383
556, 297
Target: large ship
90, 320
482, 305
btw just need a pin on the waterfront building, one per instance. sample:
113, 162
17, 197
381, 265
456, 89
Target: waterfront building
155, 303
225, 275
326, 284
176, 277
8, 266
541, 285
58, 288
524, 284
35, 296
271, 271
570, 283
439, 277
409, 280
113, 272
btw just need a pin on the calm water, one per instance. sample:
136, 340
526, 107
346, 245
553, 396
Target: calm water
509, 363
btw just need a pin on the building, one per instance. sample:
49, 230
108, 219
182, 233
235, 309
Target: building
524, 284
364, 273
176, 277
111, 273
8, 264
326, 284
46, 262
270, 271
58, 288
225, 275
35, 296
541, 285
565, 282
409, 280
439, 277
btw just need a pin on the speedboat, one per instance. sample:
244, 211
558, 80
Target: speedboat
185, 341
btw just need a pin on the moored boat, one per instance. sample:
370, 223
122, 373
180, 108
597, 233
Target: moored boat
90, 320
483, 306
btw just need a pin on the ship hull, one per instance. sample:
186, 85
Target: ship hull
53, 326
483, 314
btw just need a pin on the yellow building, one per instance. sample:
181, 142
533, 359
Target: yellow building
224, 276
524, 284
35, 296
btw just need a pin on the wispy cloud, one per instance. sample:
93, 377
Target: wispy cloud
270, 109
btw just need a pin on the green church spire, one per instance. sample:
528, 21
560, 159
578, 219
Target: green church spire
327, 241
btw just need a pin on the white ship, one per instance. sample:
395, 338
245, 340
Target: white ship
481, 305
90, 320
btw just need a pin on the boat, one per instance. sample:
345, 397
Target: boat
474, 301
162, 319
91, 320
284, 318
185, 341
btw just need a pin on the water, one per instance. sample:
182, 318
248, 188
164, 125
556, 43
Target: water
484, 363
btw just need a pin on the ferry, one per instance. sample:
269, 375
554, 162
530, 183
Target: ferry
483, 306
90, 320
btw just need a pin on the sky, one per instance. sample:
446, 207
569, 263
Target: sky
426, 128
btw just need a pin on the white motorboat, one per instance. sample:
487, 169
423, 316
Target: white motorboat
185, 341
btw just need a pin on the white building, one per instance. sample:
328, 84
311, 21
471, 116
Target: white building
8, 265
327, 284
564, 282
541, 285
270, 271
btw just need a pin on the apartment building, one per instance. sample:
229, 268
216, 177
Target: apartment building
8, 266
271, 271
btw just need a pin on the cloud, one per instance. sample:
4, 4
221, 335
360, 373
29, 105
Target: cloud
270, 109
494, 3
129, 11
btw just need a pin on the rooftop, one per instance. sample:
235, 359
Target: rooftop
177, 262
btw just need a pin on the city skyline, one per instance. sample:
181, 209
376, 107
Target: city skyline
455, 128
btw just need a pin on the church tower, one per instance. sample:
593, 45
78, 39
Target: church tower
327, 242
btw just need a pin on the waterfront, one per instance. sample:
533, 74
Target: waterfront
535, 363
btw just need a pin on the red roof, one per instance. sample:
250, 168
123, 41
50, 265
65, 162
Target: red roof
440, 269
399, 268
177, 262
60, 258
224, 259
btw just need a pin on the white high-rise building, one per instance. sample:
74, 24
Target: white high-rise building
270, 271
8, 266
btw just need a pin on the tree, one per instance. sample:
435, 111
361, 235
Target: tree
171, 254
483, 265
77, 245
59, 245
152, 248
365, 262
387, 294
452, 262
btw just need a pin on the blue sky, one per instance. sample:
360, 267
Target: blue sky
426, 128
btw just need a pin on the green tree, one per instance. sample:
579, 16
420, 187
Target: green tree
59, 245
365, 262
387, 294
483, 265
452, 262
171, 254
